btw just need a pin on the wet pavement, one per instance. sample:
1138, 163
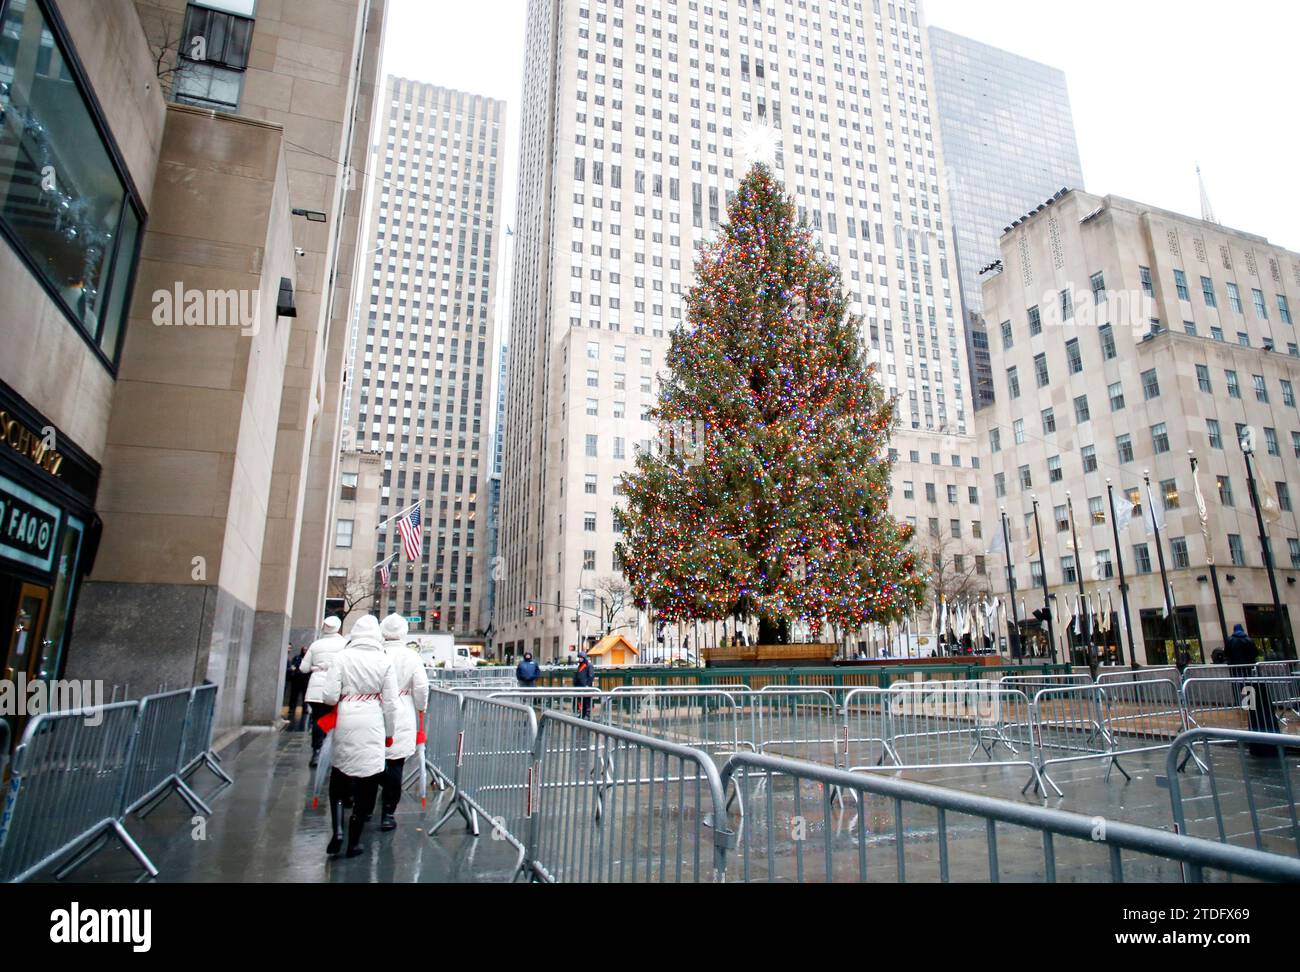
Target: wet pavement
263, 830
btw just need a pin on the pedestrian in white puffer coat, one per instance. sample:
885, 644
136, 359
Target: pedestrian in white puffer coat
316, 662
362, 683
413, 684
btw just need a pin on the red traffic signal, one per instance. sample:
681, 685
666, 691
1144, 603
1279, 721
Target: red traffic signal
530, 611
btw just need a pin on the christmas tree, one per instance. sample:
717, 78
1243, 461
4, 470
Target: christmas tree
768, 493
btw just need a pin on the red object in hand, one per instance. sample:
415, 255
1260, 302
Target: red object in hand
328, 721
420, 737
388, 741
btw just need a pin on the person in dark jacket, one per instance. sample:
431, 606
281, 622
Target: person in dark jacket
583, 678
1241, 655
526, 671
297, 692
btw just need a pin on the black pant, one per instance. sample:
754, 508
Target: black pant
357, 792
392, 783
318, 710
296, 692
582, 706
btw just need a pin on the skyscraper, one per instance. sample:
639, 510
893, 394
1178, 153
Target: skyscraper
424, 369
637, 123
1008, 144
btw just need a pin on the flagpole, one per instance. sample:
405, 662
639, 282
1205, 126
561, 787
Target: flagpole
1042, 570
398, 516
1123, 583
1084, 619
1015, 646
1209, 549
1288, 648
1171, 607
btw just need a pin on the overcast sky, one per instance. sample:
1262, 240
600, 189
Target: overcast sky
1157, 87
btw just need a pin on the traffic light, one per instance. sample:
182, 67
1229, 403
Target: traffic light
530, 611
1041, 615
434, 618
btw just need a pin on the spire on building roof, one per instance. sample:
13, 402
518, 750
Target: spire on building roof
1207, 211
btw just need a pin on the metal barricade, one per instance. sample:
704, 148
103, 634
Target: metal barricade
442, 735
66, 790
1286, 688
890, 829
158, 756
706, 719
794, 722
1246, 798
1069, 725
494, 769
1155, 674
955, 724
562, 700
1246, 702
196, 750
1209, 671
1031, 685
1142, 716
865, 728
1278, 669
611, 806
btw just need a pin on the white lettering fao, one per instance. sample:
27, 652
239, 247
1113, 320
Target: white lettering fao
31, 530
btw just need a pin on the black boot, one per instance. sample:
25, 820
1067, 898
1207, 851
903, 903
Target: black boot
388, 822
315, 758
355, 825
336, 822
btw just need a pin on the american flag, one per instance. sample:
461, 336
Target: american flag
385, 574
409, 527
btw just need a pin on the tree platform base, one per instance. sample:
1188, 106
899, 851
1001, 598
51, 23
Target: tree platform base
770, 656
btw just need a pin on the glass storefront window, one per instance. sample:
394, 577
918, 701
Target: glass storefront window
63, 201
65, 586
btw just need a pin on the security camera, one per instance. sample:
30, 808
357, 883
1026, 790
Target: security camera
299, 251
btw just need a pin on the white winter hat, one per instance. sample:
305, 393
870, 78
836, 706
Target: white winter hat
366, 629
394, 627
332, 625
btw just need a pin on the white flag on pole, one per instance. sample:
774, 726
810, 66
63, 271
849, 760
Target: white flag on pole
1124, 511
1201, 510
999, 544
1268, 503
1152, 518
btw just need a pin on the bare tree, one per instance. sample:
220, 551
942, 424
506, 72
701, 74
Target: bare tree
613, 596
954, 570
165, 39
353, 592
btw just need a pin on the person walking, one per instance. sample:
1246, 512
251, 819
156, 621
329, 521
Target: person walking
362, 684
315, 663
1241, 655
527, 671
297, 692
413, 688
583, 678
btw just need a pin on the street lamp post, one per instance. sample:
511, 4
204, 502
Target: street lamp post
1209, 549
1288, 649
1171, 606
1017, 648
1084, 618
1123, 582
1042, 570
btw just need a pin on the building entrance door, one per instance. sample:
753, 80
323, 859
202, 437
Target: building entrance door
25, 632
